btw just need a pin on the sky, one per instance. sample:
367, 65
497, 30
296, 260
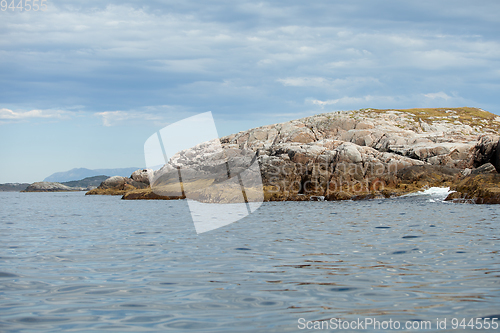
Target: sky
85, 83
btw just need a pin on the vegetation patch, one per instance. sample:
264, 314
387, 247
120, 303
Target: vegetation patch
473, 117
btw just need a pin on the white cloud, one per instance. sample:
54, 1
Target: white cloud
157, 115
346, 100
438, 95
113, 118
327, 83
303, 81
438, 99
8, 114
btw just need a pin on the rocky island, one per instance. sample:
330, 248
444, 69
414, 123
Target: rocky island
51, 187
361, 154
85, 184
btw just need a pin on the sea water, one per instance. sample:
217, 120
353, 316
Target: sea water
79, 263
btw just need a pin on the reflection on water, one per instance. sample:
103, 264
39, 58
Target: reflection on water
70, 262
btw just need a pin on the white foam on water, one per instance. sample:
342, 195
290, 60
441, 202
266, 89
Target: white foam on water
437, 193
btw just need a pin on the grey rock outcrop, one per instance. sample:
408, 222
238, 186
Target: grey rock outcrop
340, 151
445, 138
484, 169
485, 150
51, 187
118, 182
142, 175
114, 182
118, 185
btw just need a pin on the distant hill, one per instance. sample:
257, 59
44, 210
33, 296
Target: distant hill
81, 173
74, 185
86, 182
13, 187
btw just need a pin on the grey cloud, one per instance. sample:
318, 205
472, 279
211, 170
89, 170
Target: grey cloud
247, 57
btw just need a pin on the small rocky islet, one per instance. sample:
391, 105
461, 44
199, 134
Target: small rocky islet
85, 184
354, 155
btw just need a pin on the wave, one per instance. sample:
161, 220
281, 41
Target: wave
436, 194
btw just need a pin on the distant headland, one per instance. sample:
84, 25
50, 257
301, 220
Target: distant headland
81, 173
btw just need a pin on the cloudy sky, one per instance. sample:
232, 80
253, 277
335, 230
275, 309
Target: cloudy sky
85, 83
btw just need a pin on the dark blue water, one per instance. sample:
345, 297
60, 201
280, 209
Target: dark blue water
79, 263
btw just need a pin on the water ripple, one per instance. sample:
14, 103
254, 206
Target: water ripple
71, 262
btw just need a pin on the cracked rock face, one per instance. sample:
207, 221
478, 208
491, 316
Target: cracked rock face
442, 139
486, 150
355, 146
369, 144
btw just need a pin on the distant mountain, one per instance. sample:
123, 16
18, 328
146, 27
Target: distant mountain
88, 182
13, 187
74, 185
80, 173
